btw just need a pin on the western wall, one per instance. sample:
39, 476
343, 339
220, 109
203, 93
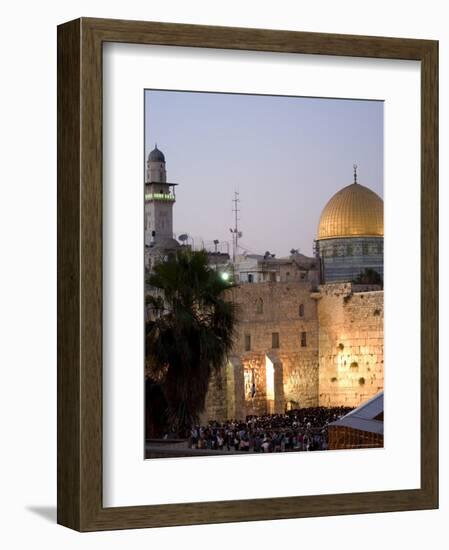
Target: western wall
328, 350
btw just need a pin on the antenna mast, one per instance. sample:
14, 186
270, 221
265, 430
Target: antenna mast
236, 234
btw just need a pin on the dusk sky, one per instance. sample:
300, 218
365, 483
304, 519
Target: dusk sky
286, 156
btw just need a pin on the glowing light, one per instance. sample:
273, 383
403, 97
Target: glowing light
269, 372
225, 276
159, 197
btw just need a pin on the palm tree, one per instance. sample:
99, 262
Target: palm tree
190, 335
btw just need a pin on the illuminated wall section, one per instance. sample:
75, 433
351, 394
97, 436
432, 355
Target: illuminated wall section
351, 345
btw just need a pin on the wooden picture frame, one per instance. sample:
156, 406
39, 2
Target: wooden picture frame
80, 504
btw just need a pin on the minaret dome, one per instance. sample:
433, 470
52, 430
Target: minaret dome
156, 172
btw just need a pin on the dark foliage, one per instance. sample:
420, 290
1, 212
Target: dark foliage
368, 277
190, 335
155, 409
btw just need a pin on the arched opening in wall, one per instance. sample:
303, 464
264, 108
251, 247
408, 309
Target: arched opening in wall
259, 305
269, 371
301, 310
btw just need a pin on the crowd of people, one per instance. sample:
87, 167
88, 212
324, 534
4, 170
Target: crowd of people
297, 430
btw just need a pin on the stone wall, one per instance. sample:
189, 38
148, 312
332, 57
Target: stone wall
274, 378
300, 371
351, 344
225, 396
280, 313
342, 362
216, 407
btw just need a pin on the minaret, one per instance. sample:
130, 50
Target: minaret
159, 200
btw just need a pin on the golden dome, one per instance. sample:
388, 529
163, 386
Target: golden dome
354, 211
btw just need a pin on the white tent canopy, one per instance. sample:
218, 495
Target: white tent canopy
367, 418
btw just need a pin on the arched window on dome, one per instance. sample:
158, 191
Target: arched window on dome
259, 305
301, 310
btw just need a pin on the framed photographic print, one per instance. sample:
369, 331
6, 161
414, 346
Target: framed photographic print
247, 274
